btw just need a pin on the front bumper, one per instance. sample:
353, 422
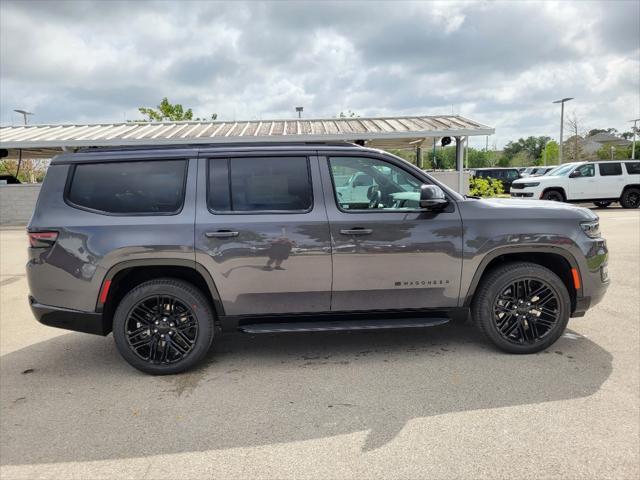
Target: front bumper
521, 194
86, 322
594, 277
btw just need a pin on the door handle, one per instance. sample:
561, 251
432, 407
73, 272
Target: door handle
356, 231
221, 234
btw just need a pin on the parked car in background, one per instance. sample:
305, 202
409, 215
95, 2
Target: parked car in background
169, 246
506, 175
601, 183
539, 171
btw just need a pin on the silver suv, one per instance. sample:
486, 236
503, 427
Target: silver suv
167, 247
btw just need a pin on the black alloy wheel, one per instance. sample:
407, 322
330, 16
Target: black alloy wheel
553, 195
521, 307
161, 329
526, 311
630, 198
163, 326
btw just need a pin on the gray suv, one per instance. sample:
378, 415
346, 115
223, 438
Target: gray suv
168, 247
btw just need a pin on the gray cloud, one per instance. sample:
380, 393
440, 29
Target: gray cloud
501, 63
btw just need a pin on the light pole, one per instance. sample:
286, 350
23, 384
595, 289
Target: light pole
561, 102
24, 114
633, 145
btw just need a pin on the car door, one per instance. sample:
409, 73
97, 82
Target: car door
581, 183
262, 232
611, 182
387, 253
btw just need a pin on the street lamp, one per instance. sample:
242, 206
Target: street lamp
561, 102
633, 145
24, 114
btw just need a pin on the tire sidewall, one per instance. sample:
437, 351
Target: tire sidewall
625, 202
185, 292
497, 282
556, 193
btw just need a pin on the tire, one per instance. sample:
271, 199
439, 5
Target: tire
602, 204
532, 332
155, 309
553, 195
630, 198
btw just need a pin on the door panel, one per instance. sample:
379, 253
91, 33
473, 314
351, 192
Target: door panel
582, 187
385, 259
611, 182
269, 262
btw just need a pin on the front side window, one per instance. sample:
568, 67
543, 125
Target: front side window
608, 169
259, 184
121, 188
587, 170
388, 187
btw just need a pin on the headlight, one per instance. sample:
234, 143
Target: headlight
530, 184
591, 229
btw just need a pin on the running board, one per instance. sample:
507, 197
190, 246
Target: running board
337, 325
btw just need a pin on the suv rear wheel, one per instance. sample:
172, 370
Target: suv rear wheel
163, 326
522, 307
553, 195
630, 198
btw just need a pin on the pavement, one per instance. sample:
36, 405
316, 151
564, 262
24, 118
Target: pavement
436, 403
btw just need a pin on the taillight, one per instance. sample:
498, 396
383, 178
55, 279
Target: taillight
42, 239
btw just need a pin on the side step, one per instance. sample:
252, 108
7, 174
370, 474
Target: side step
337, 325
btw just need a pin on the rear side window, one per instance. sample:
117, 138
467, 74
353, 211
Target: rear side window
608, 169
633, 168
255, 184
136, 188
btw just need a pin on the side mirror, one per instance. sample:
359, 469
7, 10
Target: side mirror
432, 198
575, 174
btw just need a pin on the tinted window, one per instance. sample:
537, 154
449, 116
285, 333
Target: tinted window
259, 184
586, 170
512, 175
607, 169
387, 188
129, 187
633, 168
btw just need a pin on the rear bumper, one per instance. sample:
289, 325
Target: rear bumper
86, 322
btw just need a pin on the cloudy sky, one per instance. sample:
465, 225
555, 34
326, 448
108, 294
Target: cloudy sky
501, 63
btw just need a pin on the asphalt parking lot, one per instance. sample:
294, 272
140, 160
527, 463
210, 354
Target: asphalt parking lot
437, 403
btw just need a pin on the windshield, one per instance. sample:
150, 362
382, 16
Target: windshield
562, 170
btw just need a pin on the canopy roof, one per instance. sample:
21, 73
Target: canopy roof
383, 132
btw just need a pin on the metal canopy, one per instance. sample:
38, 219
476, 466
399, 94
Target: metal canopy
383, 132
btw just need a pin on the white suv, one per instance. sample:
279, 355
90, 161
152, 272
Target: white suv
602, 183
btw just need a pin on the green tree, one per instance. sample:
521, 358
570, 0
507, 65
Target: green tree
529, 148
551, 151
348, 114
619, 152
595, 131
167, 111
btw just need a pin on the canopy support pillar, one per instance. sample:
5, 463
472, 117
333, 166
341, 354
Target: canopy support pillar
460, 164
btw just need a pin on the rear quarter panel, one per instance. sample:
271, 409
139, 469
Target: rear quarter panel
71, 273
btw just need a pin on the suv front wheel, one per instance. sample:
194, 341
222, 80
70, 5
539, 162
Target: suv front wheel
163, 326
553, 195
522, 307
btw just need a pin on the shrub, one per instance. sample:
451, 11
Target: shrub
485, 187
